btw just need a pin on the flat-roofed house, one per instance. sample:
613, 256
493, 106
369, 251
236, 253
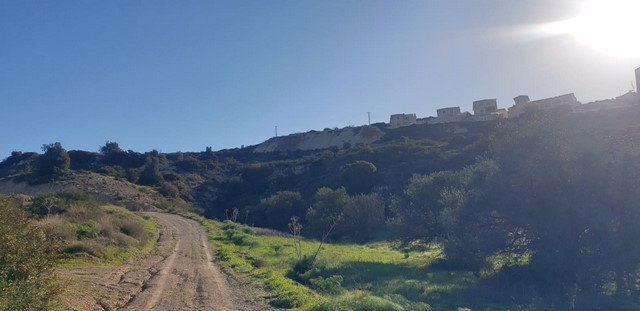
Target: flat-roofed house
403, 119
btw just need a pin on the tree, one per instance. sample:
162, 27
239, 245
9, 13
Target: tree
359, 177
111, 147
54, 162
281, 207
451, 206
363, 215
327, 210
112, 153
574, 196
191, 164
151, 175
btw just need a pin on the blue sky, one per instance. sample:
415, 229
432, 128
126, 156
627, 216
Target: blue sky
183, 75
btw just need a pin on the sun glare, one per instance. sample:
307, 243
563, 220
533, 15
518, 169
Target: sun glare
609, 26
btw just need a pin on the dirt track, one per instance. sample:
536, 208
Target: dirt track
178, 275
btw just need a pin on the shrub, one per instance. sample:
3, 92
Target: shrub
133, 229
85, 231
258, 262
169, 190
79, 213
305, 269
27, 259
59, 203
331, 285
70, 196
243, 239
115, 171
46, 206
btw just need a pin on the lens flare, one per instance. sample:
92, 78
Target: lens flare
609, 26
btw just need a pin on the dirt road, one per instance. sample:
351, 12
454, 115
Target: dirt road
178, 275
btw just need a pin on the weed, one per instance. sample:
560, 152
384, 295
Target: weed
85, 231
330, 285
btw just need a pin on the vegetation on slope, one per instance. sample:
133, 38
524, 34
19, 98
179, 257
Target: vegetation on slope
545, 220
90, 232
65, 229
542, 210
27, 260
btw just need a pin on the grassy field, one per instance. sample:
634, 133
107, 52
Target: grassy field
376, 276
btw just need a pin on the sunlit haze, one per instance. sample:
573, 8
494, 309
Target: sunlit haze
609, 26
174, 75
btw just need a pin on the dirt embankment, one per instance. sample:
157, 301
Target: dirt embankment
178, 275
104, 189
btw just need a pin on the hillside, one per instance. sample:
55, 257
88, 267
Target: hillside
313, 140
541, 209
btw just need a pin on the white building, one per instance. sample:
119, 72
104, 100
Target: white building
403, 119
485, 106
449, 114
522, 104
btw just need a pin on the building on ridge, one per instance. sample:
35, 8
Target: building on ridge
522, 104
485, 106
449, 114
403, 119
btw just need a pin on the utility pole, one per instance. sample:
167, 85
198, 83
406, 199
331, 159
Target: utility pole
276, 131
369, 115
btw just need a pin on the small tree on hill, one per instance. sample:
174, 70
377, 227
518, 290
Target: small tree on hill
151, 175
363, 215
328, 208
112, 153
359, 177
54, 162
280, 207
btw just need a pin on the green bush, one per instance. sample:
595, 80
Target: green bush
331, 285
305, 269
27, 259
58, 203
115, 171
238, 234
71, 196
85, 231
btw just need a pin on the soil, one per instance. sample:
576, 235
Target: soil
179, 274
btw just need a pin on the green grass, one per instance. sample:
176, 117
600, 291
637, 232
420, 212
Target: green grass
375, 276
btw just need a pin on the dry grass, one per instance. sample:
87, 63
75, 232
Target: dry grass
98, 233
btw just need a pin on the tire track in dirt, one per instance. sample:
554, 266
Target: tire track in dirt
162, 279
179, 274
187, 279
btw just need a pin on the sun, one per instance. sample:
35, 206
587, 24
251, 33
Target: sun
609, 26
